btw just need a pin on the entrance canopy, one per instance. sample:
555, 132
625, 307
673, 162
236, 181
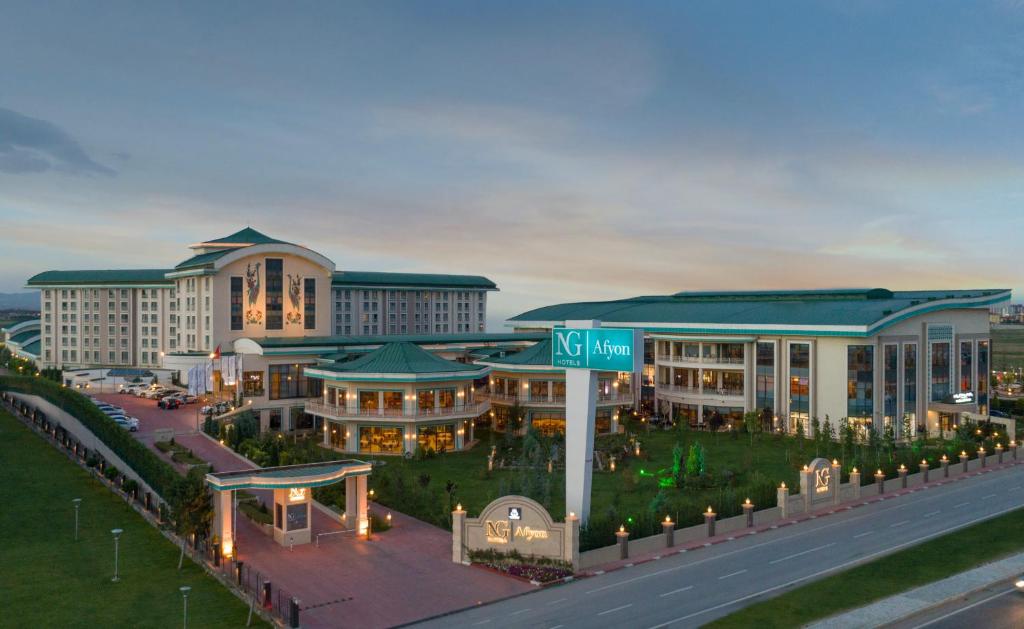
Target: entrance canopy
288, 476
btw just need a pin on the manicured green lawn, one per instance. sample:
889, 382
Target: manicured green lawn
1008, 347
931, 561
49, 580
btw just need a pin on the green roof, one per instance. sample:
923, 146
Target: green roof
104, 276
411, 280
21, 337
343, 342
32, 348
848, 311
401, 358
535, 355
203, 259
286, 476
247, 236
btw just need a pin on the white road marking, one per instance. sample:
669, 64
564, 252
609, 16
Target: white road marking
963, 609
482, 622
558, 601
930, 514
988, 496
962, 504
732, 574
556, 627
614, 609
892, 526
1015, 488
852, 562
688, 587
865, 533
519, 611
802, 553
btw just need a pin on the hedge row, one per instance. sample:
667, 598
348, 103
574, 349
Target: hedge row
157, 473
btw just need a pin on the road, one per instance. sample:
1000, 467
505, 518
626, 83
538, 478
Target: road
999, 606
693, 588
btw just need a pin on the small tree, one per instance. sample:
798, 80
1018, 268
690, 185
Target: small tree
889, 436
800, 434
816, 435
905, 427
695, 461
829, 433
191, 507
875, 444
677, 464
752, 423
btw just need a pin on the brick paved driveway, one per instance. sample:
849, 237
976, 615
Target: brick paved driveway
400, 576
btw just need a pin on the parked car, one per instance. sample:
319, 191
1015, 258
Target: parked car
188, 399
130, 424
657, 421
999, 414
169, 402
1019, 583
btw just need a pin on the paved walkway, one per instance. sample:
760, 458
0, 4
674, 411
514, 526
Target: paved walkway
895, 608
402, 575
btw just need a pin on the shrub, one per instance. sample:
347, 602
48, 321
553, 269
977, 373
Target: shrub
111, 473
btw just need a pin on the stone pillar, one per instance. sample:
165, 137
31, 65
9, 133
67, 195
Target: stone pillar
709, 521
982, 455
944, 462
460, 435
222, 521
999, 453
351, 436
668, 529
855, 483
615, 424
924, 471
459, 551
782, 499
1013, 450
806, 487
903, 476
833, 479
327, 432
571, 551
356, 515
580, 406
748, 511
622, 539
963, 462
880, 482
409, 436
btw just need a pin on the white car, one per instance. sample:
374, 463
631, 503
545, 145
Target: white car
151, 394
1019, 583
130, 424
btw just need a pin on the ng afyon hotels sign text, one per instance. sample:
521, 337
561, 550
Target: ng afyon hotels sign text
602, 349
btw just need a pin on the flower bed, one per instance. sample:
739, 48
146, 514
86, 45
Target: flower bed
536, 570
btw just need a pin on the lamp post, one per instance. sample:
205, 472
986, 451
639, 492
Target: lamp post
184, 599
117, 536
77, 502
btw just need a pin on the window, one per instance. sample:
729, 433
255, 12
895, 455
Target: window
252, 383
275, 293
940, 365
437, 438
309, 302
236, 303
890, 385
766, 377
860, 382
290, 381
799, 384
966, 366
386, 439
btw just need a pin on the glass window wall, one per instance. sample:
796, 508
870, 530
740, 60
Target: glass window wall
765, 375
799, 385
381, 439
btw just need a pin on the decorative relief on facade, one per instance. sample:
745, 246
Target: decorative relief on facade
294, 315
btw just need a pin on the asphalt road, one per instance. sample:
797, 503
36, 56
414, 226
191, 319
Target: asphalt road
693, 588
1000, 606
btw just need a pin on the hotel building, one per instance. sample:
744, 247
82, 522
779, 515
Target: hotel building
913, 360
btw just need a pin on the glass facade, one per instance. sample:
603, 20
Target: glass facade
309, 303
940, 365
236, 303
966, 366
298, 516
890, 385
765, 376
252, 383
983, 376
384, 439
910, 385
860, 376
275, 293
548, 423
799, 384
290, 381
440, 438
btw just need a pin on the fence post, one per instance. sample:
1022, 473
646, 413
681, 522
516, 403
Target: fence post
293, 616
268, 601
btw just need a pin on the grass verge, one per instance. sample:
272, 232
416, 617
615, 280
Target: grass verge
925, 563
49, 580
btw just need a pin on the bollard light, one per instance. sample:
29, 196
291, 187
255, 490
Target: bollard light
622, 528
854, 470
184, 597
458, 507
117, 536
388, 517
77, 502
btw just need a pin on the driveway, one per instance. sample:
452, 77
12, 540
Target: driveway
400, 576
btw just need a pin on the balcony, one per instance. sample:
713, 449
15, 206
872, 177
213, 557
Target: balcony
732, 394
334, 411
610, 399
718, 361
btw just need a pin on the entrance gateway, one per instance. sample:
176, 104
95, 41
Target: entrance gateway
293, 493
583, 348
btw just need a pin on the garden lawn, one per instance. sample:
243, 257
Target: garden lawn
925, 563
49, 580
1007, 347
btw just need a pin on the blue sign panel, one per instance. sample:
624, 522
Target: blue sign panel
604, 349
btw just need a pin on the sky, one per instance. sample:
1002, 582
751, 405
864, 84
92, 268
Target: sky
566, 150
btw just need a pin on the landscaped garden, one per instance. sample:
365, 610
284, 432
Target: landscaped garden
678, 472
50, 580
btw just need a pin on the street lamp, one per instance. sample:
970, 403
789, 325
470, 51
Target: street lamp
77, 502
184, 599
117, 536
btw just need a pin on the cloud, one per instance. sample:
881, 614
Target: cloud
31, 145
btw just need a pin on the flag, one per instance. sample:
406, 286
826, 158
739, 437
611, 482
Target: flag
216, 353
